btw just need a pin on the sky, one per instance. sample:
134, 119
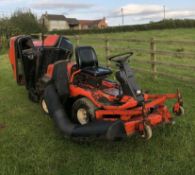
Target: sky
134, 11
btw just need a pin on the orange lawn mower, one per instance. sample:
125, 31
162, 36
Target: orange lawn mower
79, 97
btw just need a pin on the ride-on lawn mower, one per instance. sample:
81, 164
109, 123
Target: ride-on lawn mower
79, 97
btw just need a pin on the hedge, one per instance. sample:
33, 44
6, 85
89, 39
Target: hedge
165, 24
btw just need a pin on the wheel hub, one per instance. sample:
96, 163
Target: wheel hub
82, 116
44, 106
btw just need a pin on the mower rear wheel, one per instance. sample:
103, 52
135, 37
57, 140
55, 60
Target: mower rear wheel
44, 106
83, 111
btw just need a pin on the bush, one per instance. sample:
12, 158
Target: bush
21, 22
165, 24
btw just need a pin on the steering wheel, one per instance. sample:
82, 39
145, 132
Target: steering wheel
29, 53
121, 57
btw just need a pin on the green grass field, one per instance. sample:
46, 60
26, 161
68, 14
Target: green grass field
178, 35
30, 143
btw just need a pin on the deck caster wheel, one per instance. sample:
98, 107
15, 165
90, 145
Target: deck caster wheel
180, 112
44, 106
83, 111
147, 133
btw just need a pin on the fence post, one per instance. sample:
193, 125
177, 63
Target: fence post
77, 37
40, 36
153, 57
7, 40
107, 50
1, 44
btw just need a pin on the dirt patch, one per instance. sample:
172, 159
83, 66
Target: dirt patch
2, 126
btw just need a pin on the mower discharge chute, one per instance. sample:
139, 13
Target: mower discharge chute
79, 97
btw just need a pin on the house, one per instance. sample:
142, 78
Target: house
59, 22
55, 22
92, 24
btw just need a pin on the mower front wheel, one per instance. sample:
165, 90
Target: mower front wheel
83, 111
147, 132
180, 111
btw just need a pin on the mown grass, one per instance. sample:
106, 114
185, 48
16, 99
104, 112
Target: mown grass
31, 144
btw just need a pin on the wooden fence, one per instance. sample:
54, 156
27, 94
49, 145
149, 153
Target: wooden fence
152, 51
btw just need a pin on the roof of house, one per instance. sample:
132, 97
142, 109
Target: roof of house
72, 21
89, 22
55, 17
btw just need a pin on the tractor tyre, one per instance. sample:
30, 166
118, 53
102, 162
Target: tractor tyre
33, 96
83, 111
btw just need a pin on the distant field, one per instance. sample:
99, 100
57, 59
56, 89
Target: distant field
30, 143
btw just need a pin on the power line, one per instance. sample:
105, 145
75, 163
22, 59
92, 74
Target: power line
164, 11
122, 15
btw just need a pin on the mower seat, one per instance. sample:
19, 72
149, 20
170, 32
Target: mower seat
87, 61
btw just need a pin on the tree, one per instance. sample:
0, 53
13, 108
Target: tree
26, 22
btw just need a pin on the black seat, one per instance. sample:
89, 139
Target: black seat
87, 61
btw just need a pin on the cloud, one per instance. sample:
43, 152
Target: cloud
181, 14
54, 5
174, 14
10, 1
142, 13
138, 9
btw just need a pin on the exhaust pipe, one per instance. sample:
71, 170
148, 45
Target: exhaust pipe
109, 129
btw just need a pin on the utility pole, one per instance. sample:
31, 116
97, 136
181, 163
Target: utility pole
122, 15
164, 10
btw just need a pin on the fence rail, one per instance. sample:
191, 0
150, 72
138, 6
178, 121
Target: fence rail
152, 51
